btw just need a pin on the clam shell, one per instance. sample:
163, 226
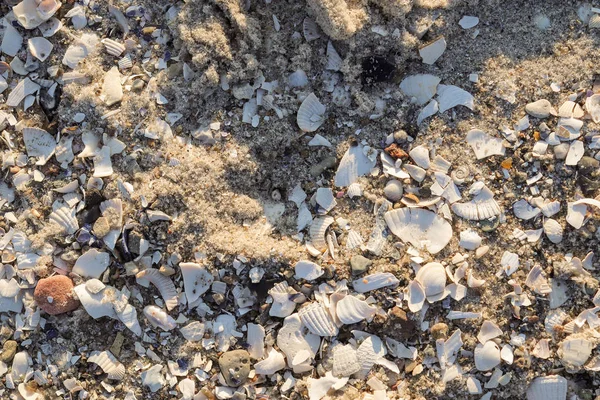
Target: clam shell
159, 318
450, 96
282, 305
551, 387
310, 30
108, 363
421, 87
65, 218
421, 228
484, 145
345, 360
570, 109
488, 331
374, 281
274, 362
317, 319
432, 51
125, 62
164, 285
553, 230
575, 351
594, 21
92, 263
525, 211
196, 280
540, 109
311, 114
416, 296
353, 240
370, 351
40, 48
575, 153
351, 310
39, 143
393, 190
353, 165
482, 206
113, 47
334, 61
487, 356
432, 277
317, 232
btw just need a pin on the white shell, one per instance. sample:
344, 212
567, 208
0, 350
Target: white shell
575, 153
282, 305
125, 62
374, 281
196, 280
369, 353
128, 316
484, 145
525, 211
345, 360
307, 270
298, 78
334, 61
255, 340
27, 393
488, 331
292, 339
159, 318
353, 165
65, 218
469, 239
11, 41
79, 50
96, 305
24, 88
164, 285
351, 310
431, 52
318, 388
421, 228
319, 140
540, 109
450, 96
432, 277
422, 87
31, 13
325, 199
575, 352
509, 262
102, 163
487, 356
112, 91
317, 231
592, 106
40, 48
194, 331
536, 281
429, 110
468, 22
310, 30
420, 155
542, 349
39, 143
274, 362
416, 296
50, 27
113, 47
297, 195
108, 363
317, 319
551, 387
354, 190
553, 230
92, 263
311, 114
353, 240
570, 109
482, 206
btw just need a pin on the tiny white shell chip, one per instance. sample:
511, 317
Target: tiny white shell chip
308, 270
487, 356
92, 263
431, 52
374, 281
196, 280
112, 91
422, 228
311, 114
484, 145
159, 318
109, 364
421, 87
551, 387
40, 47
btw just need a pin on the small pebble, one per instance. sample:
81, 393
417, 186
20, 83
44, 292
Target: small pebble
359, 264
138, 85
8, 351
235, 367
393, 190
60, 289
560, 151
481, 251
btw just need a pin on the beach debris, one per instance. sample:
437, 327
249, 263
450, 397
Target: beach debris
164, 285
354, 164
421, 228
484, 145
54, 295
108, 363
481, 207
468, 22
450, 96
311, 114
431, 52
420, 87
196, 280
551, 387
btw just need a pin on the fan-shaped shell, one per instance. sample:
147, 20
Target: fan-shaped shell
353, 240
65, 218
108, 363
487, 356
482, 206
353, 165
351, 310
39, 143
345, 360
370, 351
317, 319
374, 281
575, 351
310, 30
282, 305
196, 280
422, 87
164, 285
317, 231
551, 387
432, 277
553, 230
125, 62
484, 145
113, 47
311, 114
421, 228
536, 281
159, 318
334, 61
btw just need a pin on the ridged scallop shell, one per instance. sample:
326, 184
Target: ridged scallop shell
525, 211
129, 318
196, 280
351, 310
374, 281
482, 206
282, 305
65, 218
420, 87
484, 145
432, 277
575, 352
164, 285
345, 360
159, 318
311, 114
317, 232
370, 351
421, 228
487, 356
108, 363
509, 262
353, 165
334, 61
553, 319
24, 88
553, 230
551, 387
39, 143
113, 47
125, 62
354, 190
310, 30
353, 240
317, 319
40, 48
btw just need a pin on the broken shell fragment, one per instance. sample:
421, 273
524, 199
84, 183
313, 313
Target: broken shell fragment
484, 145
196, 280
450, 96
113, 47
311, 114
553, 230
317, 231
431, 52
354, 164
318, 320
159, 318
487, 356
164, 285
551, 387
92, 263
374, 281
420, 87
39, 143
108, 363
481, 207
308, 270
525, 211
421, 228
351, 310
575, 352
40, 48
432, 277
540, 109
345, 360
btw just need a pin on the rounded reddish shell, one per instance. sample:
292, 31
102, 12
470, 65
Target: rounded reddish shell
60, 289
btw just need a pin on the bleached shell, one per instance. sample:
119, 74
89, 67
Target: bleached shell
592, 106
196, 280
575, 153
416, 296
50, 27
319, 140
311, 114
112, 91
297, 195
369, 353
541, 349
420, 155
509, 262
108, 363
334, 61
292, 339
255, 340
432, 277
575, 352
79, 50
468, 22
351, 310
374, 281
39, 143
482, 206
125, 62
570, 109
487, 356
594, 21
40, 48
298, 78
525, 211
27, 392
469, 239
553, 230
432, 51
65, 218
450, 96
558, 296
92, 263
310, 30
164, 285
484, 145
318, 388
159, 318
353, 165
536, 281
102, 163
113, 47
488, 331
11, 40
345, 360
194, 332
128, 316
96, 305
317, 231
422, 87
282, 305
354, 190
421, 228
274, 362
307, 270
553, 319
316, 317
551, 387
325, 199
9, 288
429, 110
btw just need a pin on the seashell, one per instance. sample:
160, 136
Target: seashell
482, 206
370, 351
484, 145
319, 140
487, 356
421, 87
351, 310
416, 296
429, 110
568, 128
432, 277
432, 51
164, 285
469, 239
592, 106
282, 305
317, 231
541, 349
27, 392
447, 349
39, 47
196, 280
255, 340
324, 198
113, 47
159, 318
468, 22
194, 332
304, 218
50, 27
97, 305
509, 262
307, 270
353, 240
112, 91
507, 354
488, 331
570, 109
310, 30
551, 387
125, 62
11, 41
354, 190
318, 388
525, 211
108, 363
421, 228
345, 360
65, 218
79, 50
77, 15
298, 79
553, 319
575, 153
292, 339
102, 163
297, 195
334, 61
536, 281
27, 261
420, 155
128, 316
393, 190
311, 114
92, 263
317, 319
575, 352
270, 365
39, 143
553, 230
450, 96
391, 167
374, 281
594, 21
